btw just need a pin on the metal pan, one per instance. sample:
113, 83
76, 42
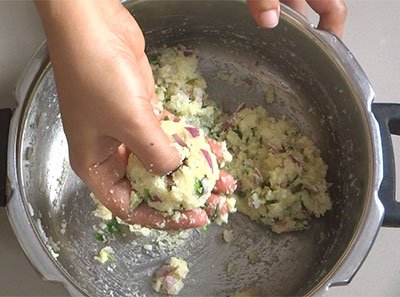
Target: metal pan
318, 84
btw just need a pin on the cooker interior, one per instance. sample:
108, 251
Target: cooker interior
310, 89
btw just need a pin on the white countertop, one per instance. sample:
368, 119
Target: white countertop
371, 33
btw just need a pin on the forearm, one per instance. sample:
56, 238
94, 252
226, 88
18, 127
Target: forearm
73, 13
73, 22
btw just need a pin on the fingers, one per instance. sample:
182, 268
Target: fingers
265, 12
147, 74
332, 15
165, 113
149, 217
146, 216
216, 148
332, 12
107, 181
142, 133
298, 5
214, 201
226, 184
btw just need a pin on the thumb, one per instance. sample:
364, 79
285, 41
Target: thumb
143, 135
265, 12
332, 15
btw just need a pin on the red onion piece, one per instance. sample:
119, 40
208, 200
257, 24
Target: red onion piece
257, 177
281, 223
271, 147
248, 81
239, 186
206, 155
188, 53
233, 119
241, 107
155, 198
311, 188
193, 131
165, 270
224, 126
179, 140
250, 202
297, 161
168, 284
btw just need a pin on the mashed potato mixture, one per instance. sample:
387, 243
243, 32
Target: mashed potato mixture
190, 185
168, 279
181, 88
280, 174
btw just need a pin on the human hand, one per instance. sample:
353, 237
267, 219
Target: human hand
332, 12
106, 95
108, 104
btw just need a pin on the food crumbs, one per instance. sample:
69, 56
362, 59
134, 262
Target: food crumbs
105, 254
168, 279
148, 247
228, 235
254, 257
230, 268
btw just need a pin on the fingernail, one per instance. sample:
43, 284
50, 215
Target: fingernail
268, 19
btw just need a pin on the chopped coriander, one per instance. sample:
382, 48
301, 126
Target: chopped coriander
205, 227
290, 147
198, 186
110, 257
213, 134
293, 180
135, 204
275, 219
265, 184
153, 57
166, 118
238, 132
271, 201
99, 236
216, 213
113, 226
146, 195
303, 221
262, 216
297, 188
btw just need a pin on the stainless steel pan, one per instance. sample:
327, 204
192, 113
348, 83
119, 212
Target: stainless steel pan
318, 84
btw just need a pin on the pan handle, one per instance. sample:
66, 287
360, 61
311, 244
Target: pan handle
388, 117
5, 117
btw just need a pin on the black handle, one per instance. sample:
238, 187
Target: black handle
388, 117
5, 117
